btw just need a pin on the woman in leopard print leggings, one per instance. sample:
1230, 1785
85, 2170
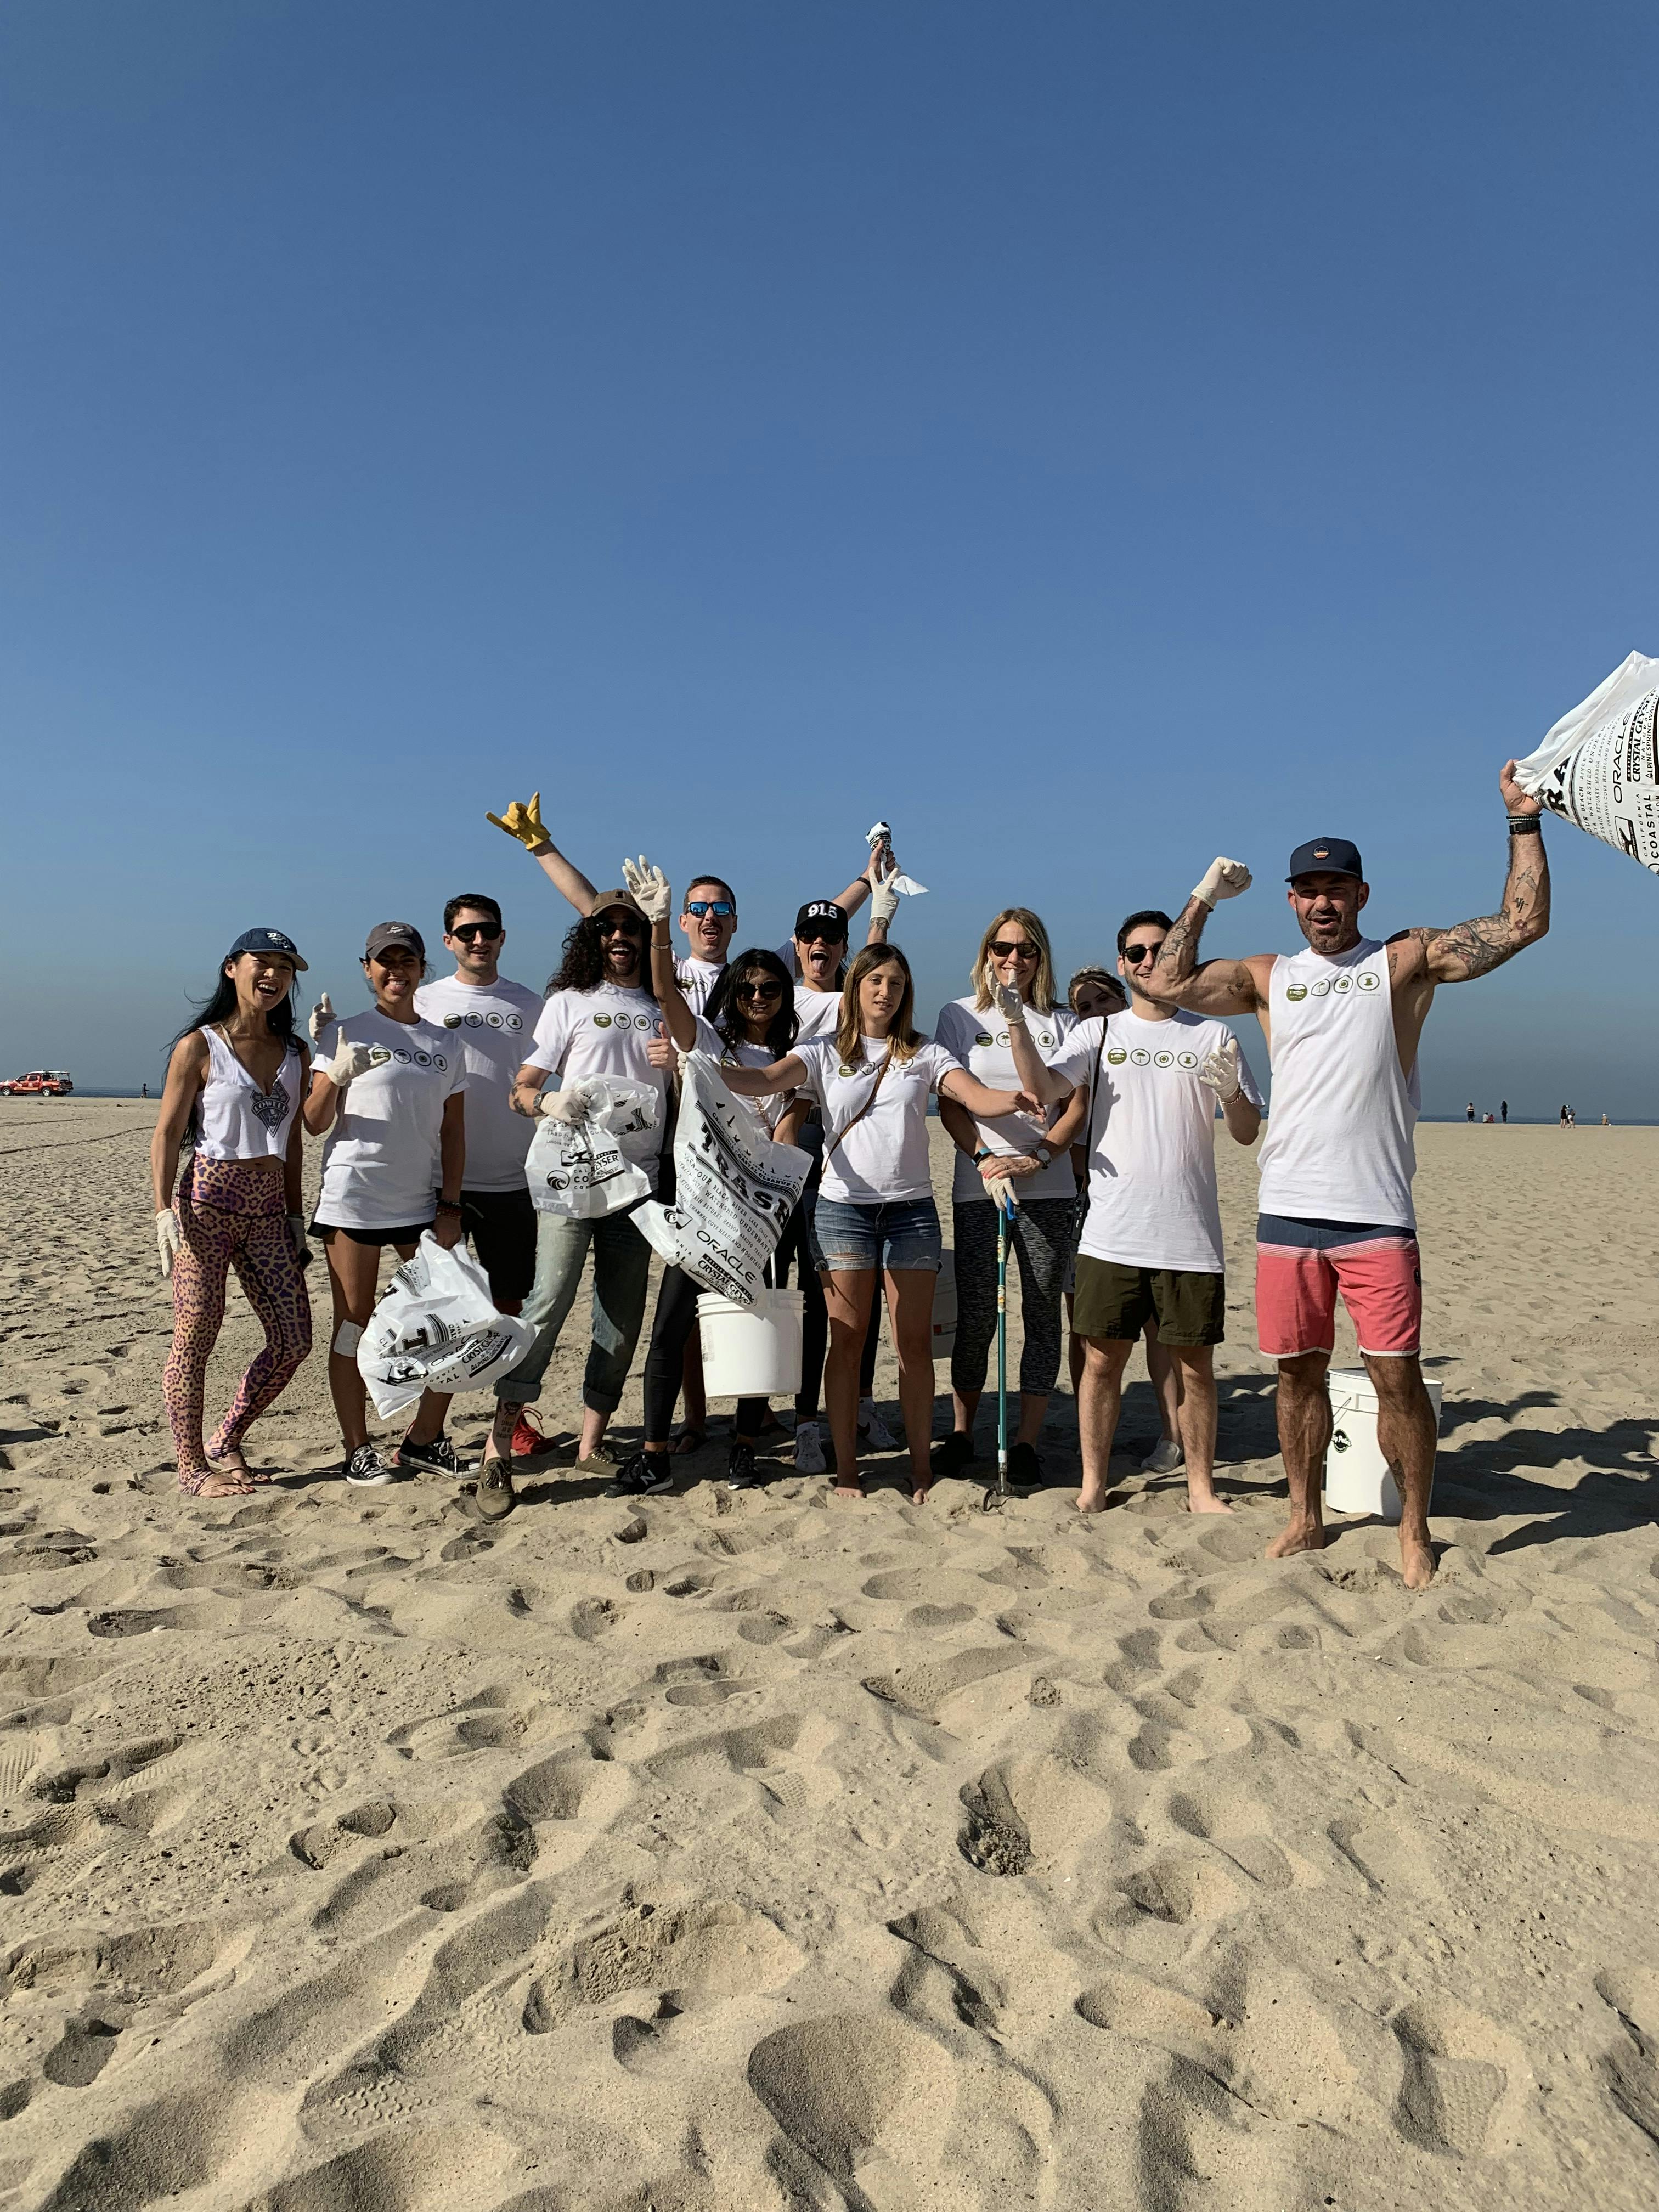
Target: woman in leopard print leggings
235, 1080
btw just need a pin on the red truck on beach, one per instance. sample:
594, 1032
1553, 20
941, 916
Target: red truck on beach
39, 1083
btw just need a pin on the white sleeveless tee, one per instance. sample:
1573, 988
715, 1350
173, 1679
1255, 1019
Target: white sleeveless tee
1339, 1145
237, 1120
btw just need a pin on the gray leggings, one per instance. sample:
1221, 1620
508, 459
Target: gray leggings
1040, 1237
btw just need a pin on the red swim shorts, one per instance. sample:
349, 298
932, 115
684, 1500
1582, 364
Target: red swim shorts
1300, 1266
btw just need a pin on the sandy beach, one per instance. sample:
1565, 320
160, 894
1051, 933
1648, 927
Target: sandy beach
744, 1851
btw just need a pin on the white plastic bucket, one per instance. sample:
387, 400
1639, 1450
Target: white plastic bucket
751, 1351
1357, 1478
944, 1307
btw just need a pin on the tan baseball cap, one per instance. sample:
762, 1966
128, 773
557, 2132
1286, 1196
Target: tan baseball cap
618, 897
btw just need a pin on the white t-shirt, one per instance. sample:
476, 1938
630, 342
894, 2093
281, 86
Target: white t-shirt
697, 979
1152, 1199
977, 1038
492, 1024
745, 1054
818, 1011
885, 1159
382, 1168
604, 1032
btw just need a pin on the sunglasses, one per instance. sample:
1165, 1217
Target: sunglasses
467, 931
700, 907
1005, 948
1135, 954
820, 937
624, 927
767, 988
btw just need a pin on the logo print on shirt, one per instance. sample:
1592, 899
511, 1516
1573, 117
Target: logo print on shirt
1186, 1060
402, 1056
984, 1037
1116, 1056
843, 1070
601, 1021
1369, 982
513, 1022
1164, 1059
452, 1021
1296, 990
1141, 1057
1343, 983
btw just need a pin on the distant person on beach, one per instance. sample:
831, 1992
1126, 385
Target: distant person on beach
1343, 1021
386, 1091
1504, 1111
1468, 1113
1150, 1247
235, 1080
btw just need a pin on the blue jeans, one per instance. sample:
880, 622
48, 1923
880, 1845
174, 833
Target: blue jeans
621, 1263
898, 1233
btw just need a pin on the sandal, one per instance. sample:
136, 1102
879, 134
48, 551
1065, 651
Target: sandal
686, 1440
191, 1481
227, 1452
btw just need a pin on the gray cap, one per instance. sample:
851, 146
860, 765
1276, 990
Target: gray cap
386, 933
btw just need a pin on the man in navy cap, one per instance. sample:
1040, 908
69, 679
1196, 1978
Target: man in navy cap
1342, 1020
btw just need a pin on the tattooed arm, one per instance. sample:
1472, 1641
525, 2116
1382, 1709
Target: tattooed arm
1475, 948
1179, 978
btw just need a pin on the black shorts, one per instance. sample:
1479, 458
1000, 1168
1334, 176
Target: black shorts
1116, 1301
411, 1235
503, 1226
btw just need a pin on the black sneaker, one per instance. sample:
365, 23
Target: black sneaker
435, 1457
366, 1470
643, 1475
1024, 1467
740, 1465
952, 1454
493, 1493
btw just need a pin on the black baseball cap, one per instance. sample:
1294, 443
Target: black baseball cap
266, 940
821, 918
1328, 856
386, 933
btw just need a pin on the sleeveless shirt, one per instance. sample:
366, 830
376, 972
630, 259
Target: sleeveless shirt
237, 1121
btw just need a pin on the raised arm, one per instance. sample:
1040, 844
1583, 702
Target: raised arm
1475, 948
1042, 1084
651, 889
525, 824
1212, 987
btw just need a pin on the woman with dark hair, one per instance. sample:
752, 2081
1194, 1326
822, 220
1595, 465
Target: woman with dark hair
235, 1078
387, 1093
875, 1210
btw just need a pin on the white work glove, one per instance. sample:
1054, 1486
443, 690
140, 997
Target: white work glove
350, 1062
1222, 879
650, 888
296, 1230
168, 1242
1219, 1069
1008, 1003
566, 1105
321, 1015
999, 1189
883, 892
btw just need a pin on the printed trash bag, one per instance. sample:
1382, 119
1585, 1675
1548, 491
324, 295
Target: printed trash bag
435, 1329
1599, 766
733, 1187
593, 1167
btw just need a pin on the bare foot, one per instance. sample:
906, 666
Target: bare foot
1093, 1501
215, 1483
1416, 1562
919, 1491
1299, 1535
1205, 1500
851, 1491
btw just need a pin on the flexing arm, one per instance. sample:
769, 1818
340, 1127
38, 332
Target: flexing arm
1475, 948
525, 824
1217, 987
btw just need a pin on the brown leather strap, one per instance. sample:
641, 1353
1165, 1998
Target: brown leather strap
881, 1075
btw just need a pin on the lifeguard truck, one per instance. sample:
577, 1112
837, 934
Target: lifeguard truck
39, 1083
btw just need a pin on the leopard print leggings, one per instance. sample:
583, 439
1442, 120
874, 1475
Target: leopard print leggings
231, 1213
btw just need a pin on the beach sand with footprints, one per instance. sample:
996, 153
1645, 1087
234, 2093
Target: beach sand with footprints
747, 1851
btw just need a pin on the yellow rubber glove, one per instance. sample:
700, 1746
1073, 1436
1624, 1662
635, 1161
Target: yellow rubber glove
523, 823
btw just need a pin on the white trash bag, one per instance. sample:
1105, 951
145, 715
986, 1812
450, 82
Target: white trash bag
1599, 766
733, 1187
593, 1167
435, 1329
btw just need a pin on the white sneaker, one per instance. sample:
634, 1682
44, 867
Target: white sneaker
1163, 1459
873, 1433
809, 1452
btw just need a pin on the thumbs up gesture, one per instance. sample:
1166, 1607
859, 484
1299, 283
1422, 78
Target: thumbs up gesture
523, 823
321, 1015
350, 1062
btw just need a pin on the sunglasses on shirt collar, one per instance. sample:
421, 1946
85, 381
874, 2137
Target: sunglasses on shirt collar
700, 907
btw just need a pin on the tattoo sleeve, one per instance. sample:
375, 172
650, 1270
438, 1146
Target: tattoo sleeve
1178, 955
1475, 948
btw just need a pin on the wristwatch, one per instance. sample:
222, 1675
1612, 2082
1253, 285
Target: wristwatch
984, 1153
451, 1206
1043, 1154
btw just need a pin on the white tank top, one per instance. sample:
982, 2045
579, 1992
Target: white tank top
237, 1121
1339, 1143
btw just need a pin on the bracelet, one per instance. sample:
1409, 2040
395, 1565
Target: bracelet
984, 1153
1525, 825
451, 1206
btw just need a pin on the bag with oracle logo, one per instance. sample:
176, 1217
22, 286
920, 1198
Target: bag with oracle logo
435, 1329
735, 1188
594, 1165
1599, 766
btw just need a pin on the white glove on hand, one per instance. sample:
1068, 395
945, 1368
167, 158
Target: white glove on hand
650, 888
350, 1062
1219, 1069
568, 1105
168, 1242
999, 1189
321, 1015
1008, 1003
883, 893
296, 1230
1222, 879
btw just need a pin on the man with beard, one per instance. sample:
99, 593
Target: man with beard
1342, 1020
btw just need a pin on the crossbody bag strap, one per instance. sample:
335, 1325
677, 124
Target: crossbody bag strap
881, 1077
1089, 1133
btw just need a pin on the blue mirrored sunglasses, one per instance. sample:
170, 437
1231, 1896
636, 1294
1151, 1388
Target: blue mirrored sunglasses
700, 907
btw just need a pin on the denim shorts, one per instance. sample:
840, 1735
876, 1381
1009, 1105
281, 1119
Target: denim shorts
900, 1233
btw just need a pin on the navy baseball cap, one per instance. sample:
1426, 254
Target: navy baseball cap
1330, 856
266, 940
821, 918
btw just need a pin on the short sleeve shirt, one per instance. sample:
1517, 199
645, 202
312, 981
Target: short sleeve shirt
977, 1039
382, 1166
491, 1025
604, 1032
885, 1159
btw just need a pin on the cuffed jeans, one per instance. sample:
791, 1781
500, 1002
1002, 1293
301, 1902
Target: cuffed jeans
622, 1265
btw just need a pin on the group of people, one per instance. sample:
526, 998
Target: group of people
1091, 1119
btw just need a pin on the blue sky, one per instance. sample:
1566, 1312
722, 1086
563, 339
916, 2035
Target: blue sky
1092, 437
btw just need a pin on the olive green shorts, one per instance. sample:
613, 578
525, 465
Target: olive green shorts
1116, 1301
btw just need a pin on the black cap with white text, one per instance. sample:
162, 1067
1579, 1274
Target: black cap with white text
821, 918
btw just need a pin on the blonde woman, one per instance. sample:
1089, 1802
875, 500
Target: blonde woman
875, 1210
1030, 1157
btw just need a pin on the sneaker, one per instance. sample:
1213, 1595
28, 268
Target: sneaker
1024, 1467
873, 1433
1163, 1459
494, 1494
528, 1442
643, 1475
437, 1457
740, 1465
809, 1448
952, 1454
366, 1469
